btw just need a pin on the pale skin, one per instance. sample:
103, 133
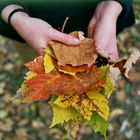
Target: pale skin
102, 28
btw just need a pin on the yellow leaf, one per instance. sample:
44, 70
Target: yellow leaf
61, 115
48, 63
30, 75
65, 100
100, 103
49, 51
85, 104
69, 73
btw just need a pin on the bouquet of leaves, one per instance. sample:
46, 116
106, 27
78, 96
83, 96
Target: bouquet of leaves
78, 82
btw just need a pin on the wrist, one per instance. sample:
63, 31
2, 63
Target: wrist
16, 17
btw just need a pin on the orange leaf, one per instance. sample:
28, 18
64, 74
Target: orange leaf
36, 65
70, 68
43, 85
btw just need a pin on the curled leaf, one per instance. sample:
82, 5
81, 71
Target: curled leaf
84, 53
135, 55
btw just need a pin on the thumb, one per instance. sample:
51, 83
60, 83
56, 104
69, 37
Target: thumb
91, 26
65, 38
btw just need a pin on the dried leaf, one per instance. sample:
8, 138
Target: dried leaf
72, 126
114, 74
84, 53
135, 55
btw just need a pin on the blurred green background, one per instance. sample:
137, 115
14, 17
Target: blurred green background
31, 121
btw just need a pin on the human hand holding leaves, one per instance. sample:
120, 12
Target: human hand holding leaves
80, 88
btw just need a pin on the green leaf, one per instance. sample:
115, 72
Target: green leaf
98, 124
61, 115
104, 70
109, 87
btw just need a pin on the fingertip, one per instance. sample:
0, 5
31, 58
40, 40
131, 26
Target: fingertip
75, 41
71, 40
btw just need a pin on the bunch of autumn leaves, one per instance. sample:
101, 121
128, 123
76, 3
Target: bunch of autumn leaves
74, 81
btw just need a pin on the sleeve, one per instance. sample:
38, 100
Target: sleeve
127, 17
5, 29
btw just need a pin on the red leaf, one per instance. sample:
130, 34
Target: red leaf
36, 65
43, 85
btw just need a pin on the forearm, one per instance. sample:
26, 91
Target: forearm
17, 18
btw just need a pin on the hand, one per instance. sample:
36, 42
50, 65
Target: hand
102, 28
36, 32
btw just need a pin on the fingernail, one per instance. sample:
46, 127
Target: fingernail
75, 40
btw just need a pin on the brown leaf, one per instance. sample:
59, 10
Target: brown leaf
134, 56
84, 53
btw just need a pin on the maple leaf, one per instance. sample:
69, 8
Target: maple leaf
98, 124
36, 65
43, 85
61, 115
92, 78
78, 81
85, 104
38, 88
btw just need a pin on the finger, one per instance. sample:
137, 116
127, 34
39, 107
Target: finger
64, 38
113, 51
91, 27
114, 56
39, 46
101, 48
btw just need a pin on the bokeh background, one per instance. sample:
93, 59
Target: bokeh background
31, 121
